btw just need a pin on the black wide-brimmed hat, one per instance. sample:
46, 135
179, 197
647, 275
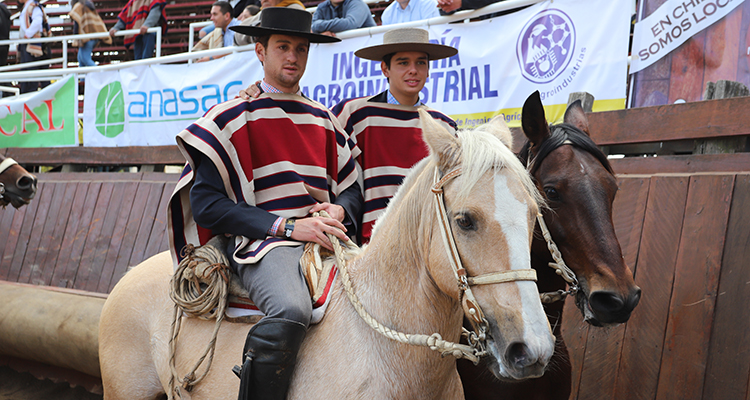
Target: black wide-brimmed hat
406, 39
284, 21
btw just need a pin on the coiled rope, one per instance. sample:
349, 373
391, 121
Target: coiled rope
199, 288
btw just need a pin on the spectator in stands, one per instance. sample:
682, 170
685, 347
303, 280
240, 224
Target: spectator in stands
248, 12
5, 25
86, 20
333, 16
409, 10
142, 14
241, 40
33, 24
221, 16
449, 6
238, 7
270, 208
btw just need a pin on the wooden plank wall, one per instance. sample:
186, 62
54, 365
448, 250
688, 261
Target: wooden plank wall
717, 53
84, 230
686, 237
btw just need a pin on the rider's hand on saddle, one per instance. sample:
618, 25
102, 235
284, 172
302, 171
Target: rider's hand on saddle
251, 91
335, 211
314, 229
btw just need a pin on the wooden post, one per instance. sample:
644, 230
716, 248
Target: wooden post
723, 89
587, 100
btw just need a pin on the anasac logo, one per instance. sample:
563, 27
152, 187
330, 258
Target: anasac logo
110, 110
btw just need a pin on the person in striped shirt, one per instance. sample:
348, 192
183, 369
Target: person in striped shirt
386, 126
256, 171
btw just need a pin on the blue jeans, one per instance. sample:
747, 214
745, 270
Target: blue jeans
84, 54
27, 87
144, 46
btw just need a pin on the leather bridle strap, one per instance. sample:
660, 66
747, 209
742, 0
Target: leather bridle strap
7, 163
469, 303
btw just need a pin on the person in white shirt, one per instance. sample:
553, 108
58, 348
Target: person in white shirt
31, 22
409, 10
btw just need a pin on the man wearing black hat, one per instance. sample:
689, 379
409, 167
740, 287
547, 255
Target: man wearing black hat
386, 127
257, 170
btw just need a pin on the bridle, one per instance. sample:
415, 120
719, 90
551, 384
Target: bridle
558, 264
472, 310
477, 339
4, 165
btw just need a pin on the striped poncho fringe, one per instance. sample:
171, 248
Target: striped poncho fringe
390, 140
280, 152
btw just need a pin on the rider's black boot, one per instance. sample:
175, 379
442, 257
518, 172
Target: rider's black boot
270, 354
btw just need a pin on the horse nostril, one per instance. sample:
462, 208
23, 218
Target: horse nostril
634, 298
26, 182
606, 302
518, 355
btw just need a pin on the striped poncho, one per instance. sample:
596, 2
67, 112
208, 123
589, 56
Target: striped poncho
390, 140
280, 152
135, 12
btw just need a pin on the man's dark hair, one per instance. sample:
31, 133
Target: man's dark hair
263, 40
224, 7
387, 59
252, 9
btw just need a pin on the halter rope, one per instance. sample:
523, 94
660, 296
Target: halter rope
475, 349
558, 265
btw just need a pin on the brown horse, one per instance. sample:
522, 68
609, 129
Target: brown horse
406, 278
17, 186
579, 186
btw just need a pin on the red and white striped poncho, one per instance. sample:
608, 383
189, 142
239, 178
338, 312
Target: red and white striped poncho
280, 152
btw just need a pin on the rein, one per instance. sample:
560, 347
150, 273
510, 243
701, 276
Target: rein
558, 265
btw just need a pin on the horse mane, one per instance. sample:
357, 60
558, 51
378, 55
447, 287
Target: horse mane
558, 135
479, 151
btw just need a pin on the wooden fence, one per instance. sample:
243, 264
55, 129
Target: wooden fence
683, 222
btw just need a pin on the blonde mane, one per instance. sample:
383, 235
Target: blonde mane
479, 151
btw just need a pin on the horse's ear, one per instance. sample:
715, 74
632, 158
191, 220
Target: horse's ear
575, 116
533, 121
442, 143
499, 128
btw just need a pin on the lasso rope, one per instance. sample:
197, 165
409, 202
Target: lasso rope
434, 342
208, 265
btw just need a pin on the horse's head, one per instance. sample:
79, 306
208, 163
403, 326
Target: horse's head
579, 187
17, 186
490, 204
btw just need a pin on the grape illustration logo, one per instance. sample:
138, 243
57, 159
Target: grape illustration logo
545, 46
110, 110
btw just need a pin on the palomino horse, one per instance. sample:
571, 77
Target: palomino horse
404, 278
17, 186
579, 186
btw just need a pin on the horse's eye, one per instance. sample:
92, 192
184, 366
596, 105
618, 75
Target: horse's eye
551, 194
465, 222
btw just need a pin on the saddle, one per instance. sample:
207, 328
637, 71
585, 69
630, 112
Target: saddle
205, 266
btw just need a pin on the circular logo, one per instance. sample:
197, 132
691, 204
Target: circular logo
545, 46
110, 110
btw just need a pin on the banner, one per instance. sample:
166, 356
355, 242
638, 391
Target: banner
40, 119
671, 25
555, 47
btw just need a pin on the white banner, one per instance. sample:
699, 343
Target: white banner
671, 25
555, 47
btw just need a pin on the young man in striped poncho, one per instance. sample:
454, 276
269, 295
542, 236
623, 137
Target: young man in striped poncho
386, 127
256, 171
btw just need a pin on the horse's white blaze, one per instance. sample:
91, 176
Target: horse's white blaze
511, 213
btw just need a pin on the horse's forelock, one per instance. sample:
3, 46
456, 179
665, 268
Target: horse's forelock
558, 135
482, 151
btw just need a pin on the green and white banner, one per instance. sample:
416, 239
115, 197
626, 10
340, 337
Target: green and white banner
555, 47
46, 118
